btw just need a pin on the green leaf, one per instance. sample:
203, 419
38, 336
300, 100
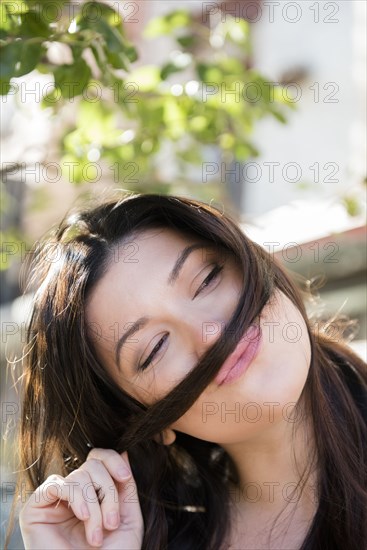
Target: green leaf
94, 11
46, 11
118, 51
201, 70
32, 26
198, 123
114, 40
9, 58
72, 79
131, 53
16, 7
352, 205
169, 69
29, 57
6, 21
117, 60
167, 24
186, 41
5, 87
156, 27
178, 19
210, 73
19, 58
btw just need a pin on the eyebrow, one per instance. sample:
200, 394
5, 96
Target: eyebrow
135, 327
172, 278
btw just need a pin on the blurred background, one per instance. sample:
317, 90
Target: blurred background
255, 106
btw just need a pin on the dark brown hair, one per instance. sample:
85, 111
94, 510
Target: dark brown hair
63, 377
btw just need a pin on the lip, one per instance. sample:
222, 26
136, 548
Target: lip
239, 360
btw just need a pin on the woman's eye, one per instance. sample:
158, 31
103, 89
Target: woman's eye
206, 283
152, 354
209, 279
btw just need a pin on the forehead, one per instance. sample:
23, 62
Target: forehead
136, 275
143, 246
153, 249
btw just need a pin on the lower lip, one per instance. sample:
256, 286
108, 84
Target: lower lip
243, 362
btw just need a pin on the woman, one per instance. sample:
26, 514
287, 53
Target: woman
178, 395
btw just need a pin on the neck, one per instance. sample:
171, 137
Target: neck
271, 465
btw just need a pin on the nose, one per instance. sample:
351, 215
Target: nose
200, 333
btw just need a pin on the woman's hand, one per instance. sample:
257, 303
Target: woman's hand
96, 505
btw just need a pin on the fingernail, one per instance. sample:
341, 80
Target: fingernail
97, 536
113, 519
124, 473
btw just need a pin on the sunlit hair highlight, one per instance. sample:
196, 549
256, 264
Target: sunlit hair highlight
63, 377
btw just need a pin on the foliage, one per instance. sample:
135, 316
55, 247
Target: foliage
204, 94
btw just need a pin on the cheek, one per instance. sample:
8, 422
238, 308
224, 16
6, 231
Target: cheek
284, 360
152, 386
278, 374
244, 411
265, 396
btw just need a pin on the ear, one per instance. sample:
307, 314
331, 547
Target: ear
166, 437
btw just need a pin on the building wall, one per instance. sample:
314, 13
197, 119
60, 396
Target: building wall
326, 133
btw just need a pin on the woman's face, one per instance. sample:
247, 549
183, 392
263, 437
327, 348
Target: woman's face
181, 306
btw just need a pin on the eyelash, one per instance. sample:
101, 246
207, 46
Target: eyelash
209, 279
205, 284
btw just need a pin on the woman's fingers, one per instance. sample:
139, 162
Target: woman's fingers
85, 484
78, 491
130, 510
101, 494
102, 484
53, 490
127, 500
117, 466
